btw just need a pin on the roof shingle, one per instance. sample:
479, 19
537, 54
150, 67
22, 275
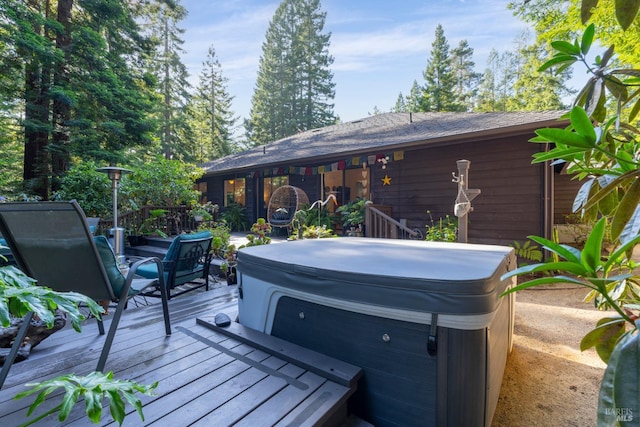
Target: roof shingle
382, 131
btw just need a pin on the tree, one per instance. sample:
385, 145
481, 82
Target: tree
82, 95
496, 86
535, 90
213, 118
439, 78
171, 74
294, 88
414, 97
401, 104
554, 20
600, 147
466, 78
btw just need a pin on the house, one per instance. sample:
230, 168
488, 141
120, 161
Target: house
404, 162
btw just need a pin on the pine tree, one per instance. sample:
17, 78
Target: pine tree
83, 96
171, 75
414, 98
294, 88
439, 78
466, 78
533, 90
214, 120
401, 104
496, 86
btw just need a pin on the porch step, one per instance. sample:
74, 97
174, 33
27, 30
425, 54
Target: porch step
160, 242
146, 251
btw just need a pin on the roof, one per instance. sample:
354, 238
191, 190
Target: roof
382, 131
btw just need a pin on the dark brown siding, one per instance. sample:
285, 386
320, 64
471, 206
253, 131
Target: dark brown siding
565, 191
509, 208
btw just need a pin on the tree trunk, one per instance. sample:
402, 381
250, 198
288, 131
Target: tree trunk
36, 160
61, 107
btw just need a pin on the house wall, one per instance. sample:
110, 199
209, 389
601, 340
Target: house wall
509, 208
565, 191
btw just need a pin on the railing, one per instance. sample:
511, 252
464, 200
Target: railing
175, 221
379, 224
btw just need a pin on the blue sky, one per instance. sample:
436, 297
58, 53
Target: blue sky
379, 46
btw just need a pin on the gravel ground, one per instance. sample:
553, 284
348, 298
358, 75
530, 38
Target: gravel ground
548, 381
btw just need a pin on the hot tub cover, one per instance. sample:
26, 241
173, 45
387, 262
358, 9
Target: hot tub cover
447, 278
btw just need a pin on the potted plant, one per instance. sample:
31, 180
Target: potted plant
228, 268
260, 232
148, 227
201, 213
353, 214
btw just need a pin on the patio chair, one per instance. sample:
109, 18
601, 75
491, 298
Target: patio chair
186, 262
284, 203
52, 243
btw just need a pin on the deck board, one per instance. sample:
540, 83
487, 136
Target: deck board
206, 377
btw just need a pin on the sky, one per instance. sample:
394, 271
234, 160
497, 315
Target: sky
379, 46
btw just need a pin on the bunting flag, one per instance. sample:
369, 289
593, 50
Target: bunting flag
331, 167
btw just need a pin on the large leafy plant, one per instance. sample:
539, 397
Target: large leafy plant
20, 295
601, 147
94, 388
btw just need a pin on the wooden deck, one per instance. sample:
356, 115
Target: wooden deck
207, 376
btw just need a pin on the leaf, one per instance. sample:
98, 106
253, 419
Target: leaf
582, 197
593, 95
558, 59
68, 402
608, 203
567, 154
566, 252
565, 137
591, 253
626, 209
626, 11
585, 10
630, 231
565, 47
626, 380
606, 327
582, 125
587, 37
617, 89
543, 281
116, 406
634, 111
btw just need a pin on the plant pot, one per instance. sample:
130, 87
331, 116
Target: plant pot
137, 240
232, 278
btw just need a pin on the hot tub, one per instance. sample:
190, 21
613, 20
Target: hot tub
424, 320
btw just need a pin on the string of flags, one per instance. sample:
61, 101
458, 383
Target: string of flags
371, 160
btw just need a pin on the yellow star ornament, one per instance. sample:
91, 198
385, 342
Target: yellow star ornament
386, 180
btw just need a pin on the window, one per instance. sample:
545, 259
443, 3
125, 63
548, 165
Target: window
347, 185
234, 191
358, 181
272, 184
202, 188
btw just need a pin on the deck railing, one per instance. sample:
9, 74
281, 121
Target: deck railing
379, 224
175, 221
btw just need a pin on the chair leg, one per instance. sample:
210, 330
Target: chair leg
165, 305
22, 332
112, 332
100, 326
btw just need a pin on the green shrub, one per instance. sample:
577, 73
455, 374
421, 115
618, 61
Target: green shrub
89, 187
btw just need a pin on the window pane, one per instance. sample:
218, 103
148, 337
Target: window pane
357, 181
272, 184
234, 191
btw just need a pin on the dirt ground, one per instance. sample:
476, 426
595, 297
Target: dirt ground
548, 381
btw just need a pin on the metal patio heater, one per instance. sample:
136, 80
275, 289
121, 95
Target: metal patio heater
116, 234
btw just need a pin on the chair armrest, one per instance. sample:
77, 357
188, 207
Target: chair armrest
134, 267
